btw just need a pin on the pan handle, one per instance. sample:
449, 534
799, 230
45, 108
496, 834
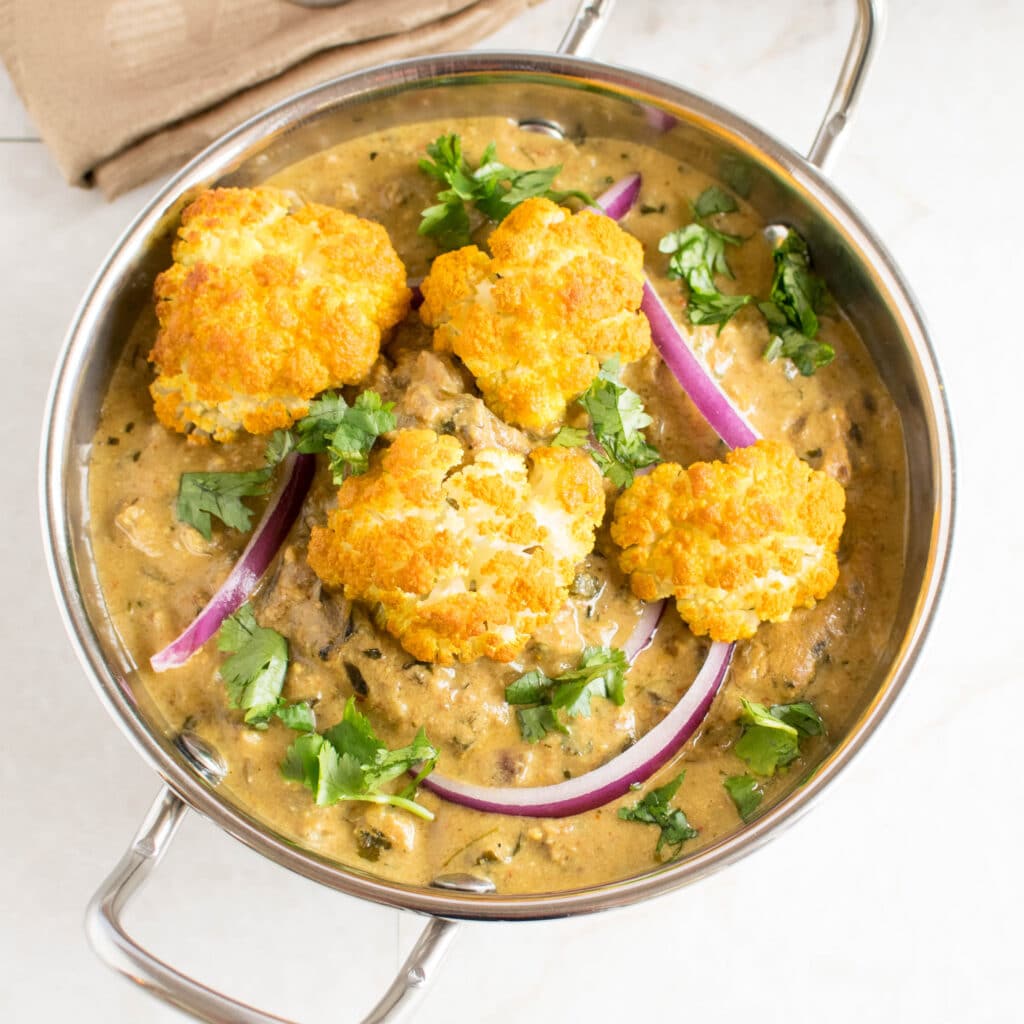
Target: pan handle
867, 33
589, 20
592, 15
119, 950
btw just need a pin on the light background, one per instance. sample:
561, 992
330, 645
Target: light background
897, 899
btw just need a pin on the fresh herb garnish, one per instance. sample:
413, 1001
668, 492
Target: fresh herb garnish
771, 737
714, 200
697, 255
617, 416
797, 296
346, 433
349, 762
254, 674
600, 673
493, 188
656, 809
745, 792
801, 715
202, 495
298, 716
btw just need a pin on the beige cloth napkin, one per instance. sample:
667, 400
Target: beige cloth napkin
123, 90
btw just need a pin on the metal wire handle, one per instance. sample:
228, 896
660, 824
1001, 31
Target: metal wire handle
867, 33
122, 952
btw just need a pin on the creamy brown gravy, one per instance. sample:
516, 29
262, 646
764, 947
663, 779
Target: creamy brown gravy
156, 573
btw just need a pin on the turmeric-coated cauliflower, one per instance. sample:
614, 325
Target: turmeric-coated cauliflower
457, 559
734, 542
268, 302
533, 322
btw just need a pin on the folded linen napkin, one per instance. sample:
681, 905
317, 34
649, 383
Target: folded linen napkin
123, 90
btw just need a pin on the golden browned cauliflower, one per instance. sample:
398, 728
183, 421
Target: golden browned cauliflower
534, 321
268, 303
734, 542
457, 558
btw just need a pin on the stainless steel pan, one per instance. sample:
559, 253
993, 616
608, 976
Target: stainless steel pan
553, 93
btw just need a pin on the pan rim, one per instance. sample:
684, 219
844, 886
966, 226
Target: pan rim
228, 152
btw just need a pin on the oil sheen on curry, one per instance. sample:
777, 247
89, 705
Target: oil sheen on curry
522, 543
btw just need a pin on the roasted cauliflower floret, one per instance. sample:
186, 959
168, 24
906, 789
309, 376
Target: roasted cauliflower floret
533, 322
735, 542
268, 302
460, 560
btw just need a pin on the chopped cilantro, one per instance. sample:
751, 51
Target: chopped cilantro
346, 433
797, 295
255, 672
617, 415
745, 792
802, 715
202, 495
714, 309
714, 200
299, 716
535, 723
656, 809
600, 673
493, 188
795, 290
697, 256
349, 762
279, 447
771, 737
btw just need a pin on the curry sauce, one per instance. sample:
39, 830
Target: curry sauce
157, 572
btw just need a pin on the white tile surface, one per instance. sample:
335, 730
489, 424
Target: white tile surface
896, 899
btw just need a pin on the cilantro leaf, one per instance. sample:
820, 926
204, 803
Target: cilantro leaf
771, 738
704, 308
656, 809
536, 723
338, 776
350, 444
301, 760
279, 447
795, 290
494, 189
354, 735
531, 688
570, 437
298, 716
617, 417
697, 255
349, 762
346, 433
801, 715
787, 341
797, 295
202, 495
714, 200
745, 793
601, 673
254, 674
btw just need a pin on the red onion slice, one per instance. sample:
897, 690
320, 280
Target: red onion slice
611, 780
268, 536
694, 377
643, 632
617, 201
660, 120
